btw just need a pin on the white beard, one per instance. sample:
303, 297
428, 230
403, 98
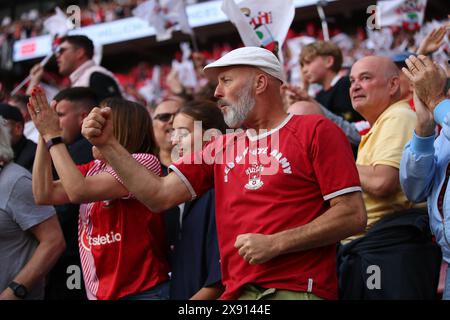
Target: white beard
235, 114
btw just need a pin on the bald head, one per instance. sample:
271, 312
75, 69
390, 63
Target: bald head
381, 65
374, 86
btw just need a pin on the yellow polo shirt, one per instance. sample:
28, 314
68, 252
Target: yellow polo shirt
384, 144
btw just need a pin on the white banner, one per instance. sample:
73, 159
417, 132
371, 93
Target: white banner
58, 24
261, 23
199, 14
406, 13
165, 16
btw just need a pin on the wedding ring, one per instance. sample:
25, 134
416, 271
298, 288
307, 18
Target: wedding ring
37, 110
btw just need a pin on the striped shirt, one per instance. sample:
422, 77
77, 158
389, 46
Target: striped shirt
121, 242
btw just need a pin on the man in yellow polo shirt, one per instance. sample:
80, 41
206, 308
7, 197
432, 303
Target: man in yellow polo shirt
375, 94
385, 261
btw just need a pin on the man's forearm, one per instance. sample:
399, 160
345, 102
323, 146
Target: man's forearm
43, 259
379, 180
342, 220
155, 192
142, 183
425, 129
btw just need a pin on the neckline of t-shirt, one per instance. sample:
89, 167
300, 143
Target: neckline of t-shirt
336, 78
268, 133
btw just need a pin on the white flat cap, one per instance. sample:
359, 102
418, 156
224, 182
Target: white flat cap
260, 58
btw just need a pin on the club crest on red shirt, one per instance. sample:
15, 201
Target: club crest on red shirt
254, 177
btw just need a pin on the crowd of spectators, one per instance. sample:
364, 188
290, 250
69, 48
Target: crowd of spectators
31, 23
277, 234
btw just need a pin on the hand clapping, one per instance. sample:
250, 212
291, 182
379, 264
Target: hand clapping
43, 115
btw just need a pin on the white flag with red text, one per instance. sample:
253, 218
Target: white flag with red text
165, 16
261, 23
406, 13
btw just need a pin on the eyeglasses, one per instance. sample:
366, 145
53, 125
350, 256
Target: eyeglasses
164, 117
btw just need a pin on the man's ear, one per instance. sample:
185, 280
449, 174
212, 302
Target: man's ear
394, 85
83, 114
261, 82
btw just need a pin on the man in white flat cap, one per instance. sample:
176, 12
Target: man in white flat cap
284, 198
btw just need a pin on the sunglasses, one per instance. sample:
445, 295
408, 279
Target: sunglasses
164, 117
60, 50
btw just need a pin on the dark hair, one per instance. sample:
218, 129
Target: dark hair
133, 126
21, 99
9, 112
80, 41
207, 112
84, 96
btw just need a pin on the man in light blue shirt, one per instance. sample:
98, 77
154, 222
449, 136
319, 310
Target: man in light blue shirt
425, 164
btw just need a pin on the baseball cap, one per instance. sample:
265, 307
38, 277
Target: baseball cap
9, 112
257, 57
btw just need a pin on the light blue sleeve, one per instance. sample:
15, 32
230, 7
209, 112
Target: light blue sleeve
441, 111
442, 116
417, 168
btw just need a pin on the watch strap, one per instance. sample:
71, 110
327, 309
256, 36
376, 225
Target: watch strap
53, 141
20, 291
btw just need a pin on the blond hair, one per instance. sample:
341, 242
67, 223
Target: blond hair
323, 49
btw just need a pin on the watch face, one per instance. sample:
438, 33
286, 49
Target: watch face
53, 141
20, 291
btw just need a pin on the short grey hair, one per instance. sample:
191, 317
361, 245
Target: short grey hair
6, 151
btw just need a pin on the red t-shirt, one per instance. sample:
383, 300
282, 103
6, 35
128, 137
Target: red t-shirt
311, 164
122, 243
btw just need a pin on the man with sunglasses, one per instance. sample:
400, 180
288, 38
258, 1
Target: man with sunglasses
277, 224
74, 59
162, 128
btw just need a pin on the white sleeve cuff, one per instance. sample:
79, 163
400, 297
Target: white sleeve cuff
185, 181
341, 192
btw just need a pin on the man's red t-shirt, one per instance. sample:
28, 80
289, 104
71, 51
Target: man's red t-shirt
267, 187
